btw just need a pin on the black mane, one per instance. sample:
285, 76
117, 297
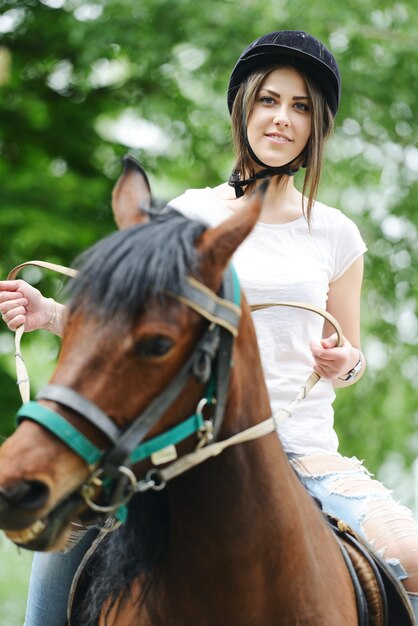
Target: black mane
120, 272
135, 548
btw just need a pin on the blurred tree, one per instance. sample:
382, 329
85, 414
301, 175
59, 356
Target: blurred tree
84, 82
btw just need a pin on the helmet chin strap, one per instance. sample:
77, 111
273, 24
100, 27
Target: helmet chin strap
268, 171
238, 184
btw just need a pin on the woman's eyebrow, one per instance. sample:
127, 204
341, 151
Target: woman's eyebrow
274, 93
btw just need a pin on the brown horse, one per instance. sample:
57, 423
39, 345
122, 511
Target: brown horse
234, 541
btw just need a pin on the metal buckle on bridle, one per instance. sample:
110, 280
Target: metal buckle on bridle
204, 357
205, 432
89, 488
153, 480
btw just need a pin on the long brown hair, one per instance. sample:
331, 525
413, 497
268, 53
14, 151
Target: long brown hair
313, 153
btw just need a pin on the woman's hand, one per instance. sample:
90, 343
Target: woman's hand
331, 361
20, 303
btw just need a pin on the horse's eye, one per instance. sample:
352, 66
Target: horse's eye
158, 345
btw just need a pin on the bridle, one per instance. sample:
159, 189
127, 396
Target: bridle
210, 364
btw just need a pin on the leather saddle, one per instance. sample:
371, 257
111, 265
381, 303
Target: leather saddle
381, 597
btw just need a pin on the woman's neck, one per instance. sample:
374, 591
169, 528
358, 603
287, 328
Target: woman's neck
282, 203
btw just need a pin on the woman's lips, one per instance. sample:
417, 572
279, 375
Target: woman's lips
278, 138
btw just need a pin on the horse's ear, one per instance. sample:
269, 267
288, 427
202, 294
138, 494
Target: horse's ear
131, 195
217, 245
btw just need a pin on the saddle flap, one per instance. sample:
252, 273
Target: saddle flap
377, 578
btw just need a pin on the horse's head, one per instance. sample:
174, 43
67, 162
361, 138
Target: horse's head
139, 353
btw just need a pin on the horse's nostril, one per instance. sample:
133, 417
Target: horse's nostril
27, 494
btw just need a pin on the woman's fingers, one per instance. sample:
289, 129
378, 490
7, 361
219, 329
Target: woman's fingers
16, 321
331, 341
6, 296
9, 305
10, 285
14, 316
330, 359
21, 303
12, 308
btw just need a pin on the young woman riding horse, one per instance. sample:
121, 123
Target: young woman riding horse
283, 95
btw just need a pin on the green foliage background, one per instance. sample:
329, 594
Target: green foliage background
69, 69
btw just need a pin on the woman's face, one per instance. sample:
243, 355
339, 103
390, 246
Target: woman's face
280, 121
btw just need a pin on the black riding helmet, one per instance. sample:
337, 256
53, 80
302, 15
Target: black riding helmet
295, 48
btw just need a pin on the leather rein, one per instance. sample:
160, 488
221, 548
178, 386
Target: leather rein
210, 364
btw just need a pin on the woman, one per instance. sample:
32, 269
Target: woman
283, 96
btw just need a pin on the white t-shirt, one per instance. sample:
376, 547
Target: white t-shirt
289, 262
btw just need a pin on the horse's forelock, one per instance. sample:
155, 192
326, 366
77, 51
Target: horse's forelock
120, 272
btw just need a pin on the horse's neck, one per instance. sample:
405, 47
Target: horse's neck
238, 551
237, 530
247, 476
245, 541
237, 512
245, 488
237, 499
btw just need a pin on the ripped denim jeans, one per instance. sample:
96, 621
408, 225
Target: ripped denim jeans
349, 492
